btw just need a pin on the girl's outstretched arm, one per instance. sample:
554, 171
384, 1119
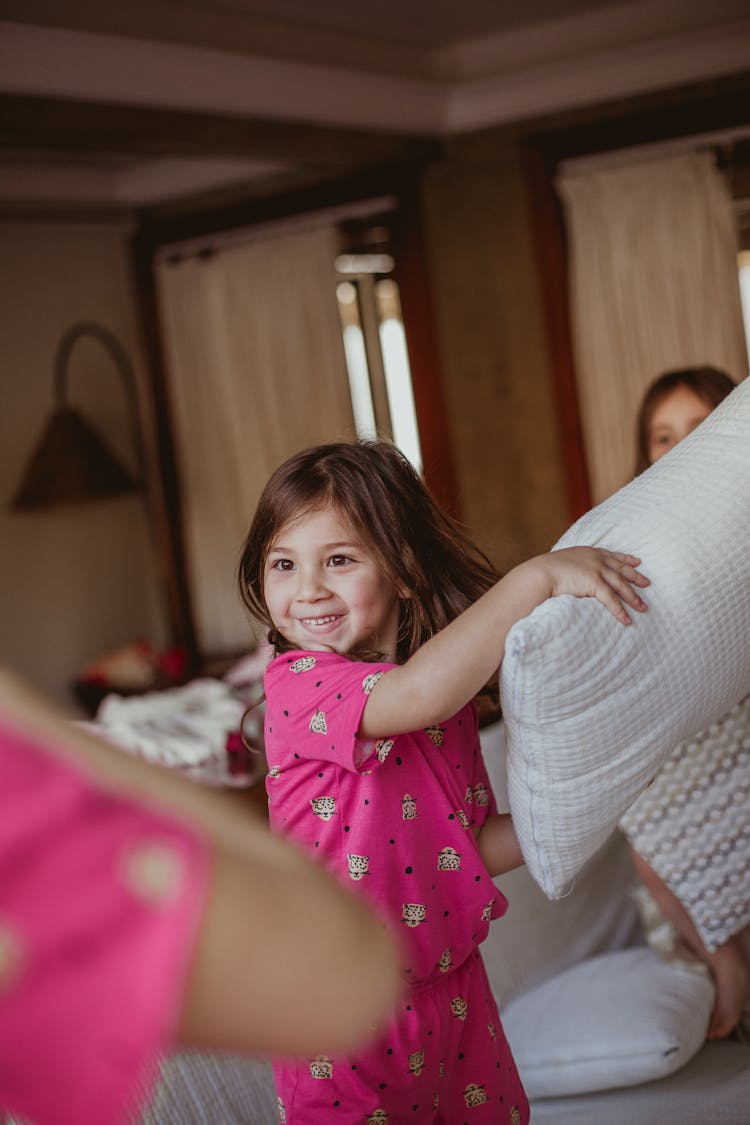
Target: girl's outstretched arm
448, 671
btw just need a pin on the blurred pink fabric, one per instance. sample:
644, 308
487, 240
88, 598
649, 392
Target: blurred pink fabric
100, 900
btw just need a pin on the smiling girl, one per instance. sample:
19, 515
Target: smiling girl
386, 622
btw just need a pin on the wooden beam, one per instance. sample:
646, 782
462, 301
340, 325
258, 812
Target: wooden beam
83, 126
664, 115
163, 224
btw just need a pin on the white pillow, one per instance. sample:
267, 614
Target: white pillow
539, 937
692, 825
613, 1020
592, 708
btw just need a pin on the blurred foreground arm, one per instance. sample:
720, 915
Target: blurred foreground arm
284, 960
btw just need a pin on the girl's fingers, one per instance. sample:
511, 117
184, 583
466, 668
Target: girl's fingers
627, 568
620, 586
609, 599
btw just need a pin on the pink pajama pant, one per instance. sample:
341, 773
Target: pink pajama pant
444, 1060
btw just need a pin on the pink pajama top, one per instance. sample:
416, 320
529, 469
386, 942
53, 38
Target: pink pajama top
391, 818
100, 899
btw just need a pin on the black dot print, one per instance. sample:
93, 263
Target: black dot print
408, 870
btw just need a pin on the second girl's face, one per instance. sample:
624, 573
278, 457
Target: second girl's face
325, 590
674, 418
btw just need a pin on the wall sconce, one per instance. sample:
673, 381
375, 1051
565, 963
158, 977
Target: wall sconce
71, 464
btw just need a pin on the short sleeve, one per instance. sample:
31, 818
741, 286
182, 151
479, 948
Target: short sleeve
315, 701
100, 901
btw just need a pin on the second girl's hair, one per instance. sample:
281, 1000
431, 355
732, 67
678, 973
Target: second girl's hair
710, 384
431, 562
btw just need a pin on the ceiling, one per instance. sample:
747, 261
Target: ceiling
121, 106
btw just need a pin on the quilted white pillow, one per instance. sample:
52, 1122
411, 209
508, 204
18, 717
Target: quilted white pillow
613, 1020
592, 708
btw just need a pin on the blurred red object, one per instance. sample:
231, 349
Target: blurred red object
130, 669
173, 663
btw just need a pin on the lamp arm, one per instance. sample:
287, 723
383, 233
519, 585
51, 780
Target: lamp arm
120, 359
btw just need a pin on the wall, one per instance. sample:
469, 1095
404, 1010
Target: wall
77, 582
495, 362
74, 582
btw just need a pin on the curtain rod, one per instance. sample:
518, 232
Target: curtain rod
612, 158
207, 245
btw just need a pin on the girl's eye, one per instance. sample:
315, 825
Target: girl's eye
339, 560
282, 564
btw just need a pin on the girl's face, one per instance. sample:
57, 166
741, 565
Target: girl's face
674, 418
325, 589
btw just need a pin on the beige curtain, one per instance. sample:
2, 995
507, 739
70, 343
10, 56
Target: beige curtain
654, 285
256, 371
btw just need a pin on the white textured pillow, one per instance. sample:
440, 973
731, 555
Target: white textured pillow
692, 825
613, 1020
593, 708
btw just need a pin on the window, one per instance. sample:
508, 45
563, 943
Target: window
375, 343
744, 268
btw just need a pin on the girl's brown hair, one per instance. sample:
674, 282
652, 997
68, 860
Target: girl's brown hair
709, 383
429, 559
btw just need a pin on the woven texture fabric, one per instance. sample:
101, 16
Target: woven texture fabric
197, 1088
692, 825
592, 708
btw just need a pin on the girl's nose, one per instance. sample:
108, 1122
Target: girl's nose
311, 585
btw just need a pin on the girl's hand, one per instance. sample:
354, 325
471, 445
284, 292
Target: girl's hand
592, 572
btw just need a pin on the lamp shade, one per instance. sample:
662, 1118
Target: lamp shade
71, 464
